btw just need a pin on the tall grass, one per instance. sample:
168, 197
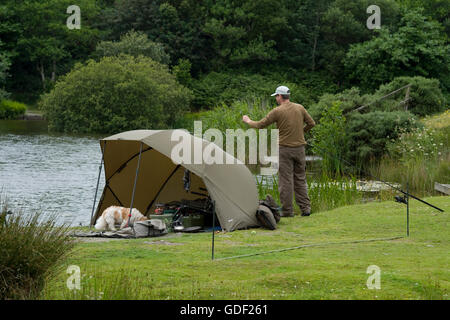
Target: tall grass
31, 249
225, 117
327, 194
420, 157
126, 283
419, 174
96, 284
324, 192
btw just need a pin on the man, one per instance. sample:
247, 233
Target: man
290, 118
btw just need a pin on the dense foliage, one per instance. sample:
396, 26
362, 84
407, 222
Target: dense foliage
369, 133
218, 88
41, 46
11, 109
417, 48
419, 157
116, 94
132, 43
425, 96
304, 42
330, 140
4, 65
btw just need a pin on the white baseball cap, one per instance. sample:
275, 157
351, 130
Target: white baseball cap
282, 90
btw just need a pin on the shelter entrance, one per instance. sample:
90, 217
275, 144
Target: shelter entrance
159, 185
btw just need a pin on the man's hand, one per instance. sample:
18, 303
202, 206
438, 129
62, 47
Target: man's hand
246, 119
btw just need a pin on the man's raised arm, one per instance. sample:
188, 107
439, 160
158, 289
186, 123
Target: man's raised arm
265, 122
310, 123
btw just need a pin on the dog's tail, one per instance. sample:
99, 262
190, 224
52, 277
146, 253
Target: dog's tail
100, 224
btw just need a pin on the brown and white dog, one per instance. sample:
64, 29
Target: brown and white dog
118, 215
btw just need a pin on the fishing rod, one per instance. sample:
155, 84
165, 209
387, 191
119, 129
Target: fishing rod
406, 193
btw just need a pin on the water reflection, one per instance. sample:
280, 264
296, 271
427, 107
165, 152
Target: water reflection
47, 172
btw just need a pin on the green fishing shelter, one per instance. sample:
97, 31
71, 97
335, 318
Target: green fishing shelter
142, 160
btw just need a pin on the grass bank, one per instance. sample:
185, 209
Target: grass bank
420, 157
180, 266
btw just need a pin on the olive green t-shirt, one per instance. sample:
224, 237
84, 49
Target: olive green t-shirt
290, 118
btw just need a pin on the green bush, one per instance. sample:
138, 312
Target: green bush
369, 133
425, 98
425, 95
134, 44
420, 143
31, 250
348, 100
224, 88
116, 94
330, 140
420, 157
11, 109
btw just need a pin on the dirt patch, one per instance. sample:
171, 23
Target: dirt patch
164, 243
241, 244
98, 239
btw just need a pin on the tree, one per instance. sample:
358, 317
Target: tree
176, 24
115, 94
183, 72
4, 66
343, 24
435, 9
133, 43
417, 49
42, 45
245, 31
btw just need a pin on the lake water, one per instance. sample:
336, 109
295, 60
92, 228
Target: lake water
49, 172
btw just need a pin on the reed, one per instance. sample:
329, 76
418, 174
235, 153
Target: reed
324, 192
31, 250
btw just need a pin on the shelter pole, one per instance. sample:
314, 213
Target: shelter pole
134, 187
407, 209
213, 227
98, 181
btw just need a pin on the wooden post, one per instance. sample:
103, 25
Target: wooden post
407, 97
